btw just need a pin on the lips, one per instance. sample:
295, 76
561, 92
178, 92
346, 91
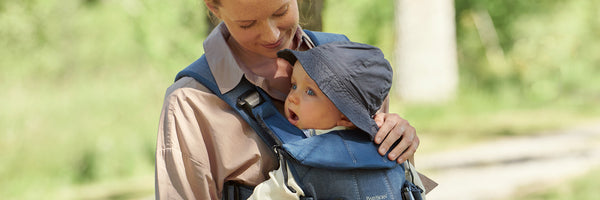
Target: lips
292, 117
274, 45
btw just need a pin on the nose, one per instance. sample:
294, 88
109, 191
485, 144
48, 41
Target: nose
292, 97
270, 32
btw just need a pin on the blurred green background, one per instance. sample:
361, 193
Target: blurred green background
83, 81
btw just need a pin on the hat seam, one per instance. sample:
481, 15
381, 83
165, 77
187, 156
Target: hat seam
337, 80
356, 103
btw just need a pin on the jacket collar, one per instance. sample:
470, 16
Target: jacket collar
224, 67
220, 59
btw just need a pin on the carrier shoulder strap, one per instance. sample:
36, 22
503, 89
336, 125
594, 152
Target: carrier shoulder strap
200, 71
254, 106
246, 96
319, 38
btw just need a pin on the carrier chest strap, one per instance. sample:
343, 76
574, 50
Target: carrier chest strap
244, 98
200, 71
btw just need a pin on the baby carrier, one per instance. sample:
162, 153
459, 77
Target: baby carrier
338, 165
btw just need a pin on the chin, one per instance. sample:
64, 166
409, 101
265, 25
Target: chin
270, 53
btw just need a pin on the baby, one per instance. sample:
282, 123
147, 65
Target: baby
335, 86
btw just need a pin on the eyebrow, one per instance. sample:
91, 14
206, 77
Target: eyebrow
310, 82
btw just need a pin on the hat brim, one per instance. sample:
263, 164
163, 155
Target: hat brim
324, 70
288, 55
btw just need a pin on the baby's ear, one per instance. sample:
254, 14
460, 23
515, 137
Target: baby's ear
344, 121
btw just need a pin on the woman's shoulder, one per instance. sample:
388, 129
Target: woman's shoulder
185, 84
319, 38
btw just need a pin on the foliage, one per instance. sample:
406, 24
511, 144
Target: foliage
83, 80
549, 48
365, 21
83, 84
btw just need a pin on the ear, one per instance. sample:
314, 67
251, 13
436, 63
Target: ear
344, 121
213, 9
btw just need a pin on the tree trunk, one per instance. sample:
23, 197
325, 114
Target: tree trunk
310, 14
425, 51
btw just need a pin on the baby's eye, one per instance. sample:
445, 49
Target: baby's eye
310, 92
294, 86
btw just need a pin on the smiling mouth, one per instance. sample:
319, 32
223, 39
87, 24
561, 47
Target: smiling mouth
292, 117
274, 45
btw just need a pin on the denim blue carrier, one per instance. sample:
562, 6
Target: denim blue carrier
337, 165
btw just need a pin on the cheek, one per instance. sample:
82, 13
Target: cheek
288, 25
289, 21
332, 112
294, 12
320, 113
244, 37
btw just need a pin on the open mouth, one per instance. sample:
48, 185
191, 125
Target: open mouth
292, 117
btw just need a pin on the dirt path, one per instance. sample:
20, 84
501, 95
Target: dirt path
496, 170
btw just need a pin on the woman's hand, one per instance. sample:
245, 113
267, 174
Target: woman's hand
392, 128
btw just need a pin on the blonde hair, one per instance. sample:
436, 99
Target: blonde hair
216, 3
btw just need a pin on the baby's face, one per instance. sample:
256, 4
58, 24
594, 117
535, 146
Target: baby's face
306, 106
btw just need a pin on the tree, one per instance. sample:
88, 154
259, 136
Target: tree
310, 14
426, 50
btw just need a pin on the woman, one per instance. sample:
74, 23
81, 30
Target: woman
202, 143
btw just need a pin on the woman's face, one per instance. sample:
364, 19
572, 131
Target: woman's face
260, 26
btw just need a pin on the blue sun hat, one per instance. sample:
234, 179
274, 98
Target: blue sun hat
355, 77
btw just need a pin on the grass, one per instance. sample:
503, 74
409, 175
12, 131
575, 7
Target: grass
90, 129
584, 187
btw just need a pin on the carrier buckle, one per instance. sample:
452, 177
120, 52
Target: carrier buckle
249, 99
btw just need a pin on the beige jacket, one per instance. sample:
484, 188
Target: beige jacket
202, 142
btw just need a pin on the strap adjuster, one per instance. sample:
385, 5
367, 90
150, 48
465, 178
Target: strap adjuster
249, 100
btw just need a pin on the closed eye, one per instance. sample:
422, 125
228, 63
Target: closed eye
248, 25
281, 12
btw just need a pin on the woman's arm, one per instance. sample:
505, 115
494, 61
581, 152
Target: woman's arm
202, 143
178, 174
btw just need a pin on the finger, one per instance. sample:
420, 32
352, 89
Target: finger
405, 142
410, 152
412, 149
379, 119
407, 154
392, 136
382, 133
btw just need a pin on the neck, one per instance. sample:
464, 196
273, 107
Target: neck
276, 75
257, 64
